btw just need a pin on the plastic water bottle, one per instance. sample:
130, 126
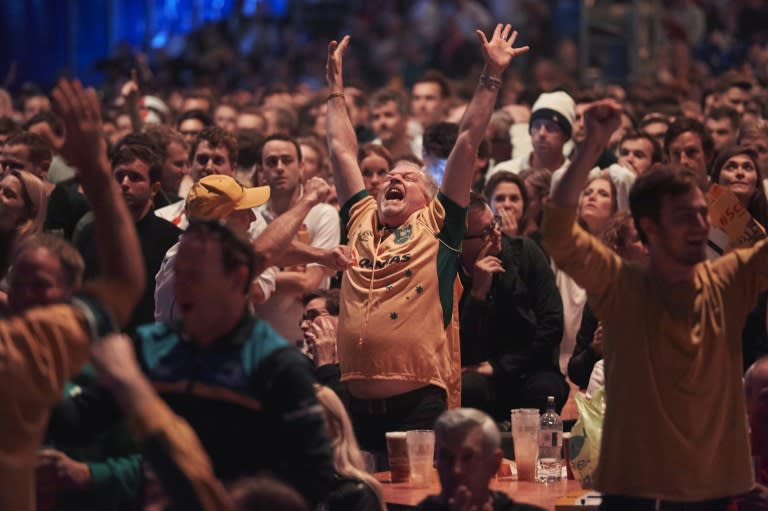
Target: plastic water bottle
550, 465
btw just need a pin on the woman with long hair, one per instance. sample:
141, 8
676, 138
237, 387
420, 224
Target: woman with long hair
355, 487
597, 204
738, 169
23, 204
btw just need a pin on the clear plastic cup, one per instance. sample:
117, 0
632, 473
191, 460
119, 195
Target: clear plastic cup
421, 456
525, 436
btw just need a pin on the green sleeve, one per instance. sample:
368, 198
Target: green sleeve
120, 477
347, 206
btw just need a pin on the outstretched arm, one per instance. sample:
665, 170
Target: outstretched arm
121, 282
342, 142
278, 235
498, 53
170, 444
130, 94
600, 120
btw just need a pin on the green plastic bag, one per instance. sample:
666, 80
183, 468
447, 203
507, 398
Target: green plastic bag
584, 445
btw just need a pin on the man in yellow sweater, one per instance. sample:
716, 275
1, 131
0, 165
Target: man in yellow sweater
675, 432
44, 347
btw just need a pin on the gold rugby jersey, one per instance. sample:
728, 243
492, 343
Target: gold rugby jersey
397, 298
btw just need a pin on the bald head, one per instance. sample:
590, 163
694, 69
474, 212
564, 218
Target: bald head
756, 380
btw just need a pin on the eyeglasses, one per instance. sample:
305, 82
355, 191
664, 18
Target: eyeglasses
202, 159
312, 314
488, 231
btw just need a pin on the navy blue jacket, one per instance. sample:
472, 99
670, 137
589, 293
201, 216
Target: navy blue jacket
249, 396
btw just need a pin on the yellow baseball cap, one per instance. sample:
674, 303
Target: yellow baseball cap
215, 197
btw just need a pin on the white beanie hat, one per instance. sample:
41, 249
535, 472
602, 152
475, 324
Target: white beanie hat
154, 110
557, 107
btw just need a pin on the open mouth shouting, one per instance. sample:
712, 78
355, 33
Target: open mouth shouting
394, 193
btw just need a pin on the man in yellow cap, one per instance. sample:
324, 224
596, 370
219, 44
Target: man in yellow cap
219, 197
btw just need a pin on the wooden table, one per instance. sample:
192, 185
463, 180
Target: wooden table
403, 495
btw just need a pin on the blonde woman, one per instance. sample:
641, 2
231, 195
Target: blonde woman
23, 204
355, 488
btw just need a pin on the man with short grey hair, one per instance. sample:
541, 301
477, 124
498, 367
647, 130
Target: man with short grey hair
468, 453
397, 349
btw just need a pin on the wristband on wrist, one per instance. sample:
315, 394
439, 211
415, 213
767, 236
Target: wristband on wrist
335, 95
491, 82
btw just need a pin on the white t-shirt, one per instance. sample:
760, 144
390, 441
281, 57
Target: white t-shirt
322, 229
174, 213
597, 378
574, 298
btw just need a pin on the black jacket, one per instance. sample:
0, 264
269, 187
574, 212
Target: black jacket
519, 327
584, 358
156, 236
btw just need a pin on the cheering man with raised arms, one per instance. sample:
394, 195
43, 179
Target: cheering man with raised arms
397, 300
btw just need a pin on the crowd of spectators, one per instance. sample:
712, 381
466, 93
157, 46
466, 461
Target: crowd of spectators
250, 180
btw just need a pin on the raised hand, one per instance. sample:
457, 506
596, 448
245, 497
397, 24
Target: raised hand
316, 190
333, 67
601, 119
84, 145
130, 89
500, 50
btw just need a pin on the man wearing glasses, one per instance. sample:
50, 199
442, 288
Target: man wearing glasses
320, 322
511, 320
